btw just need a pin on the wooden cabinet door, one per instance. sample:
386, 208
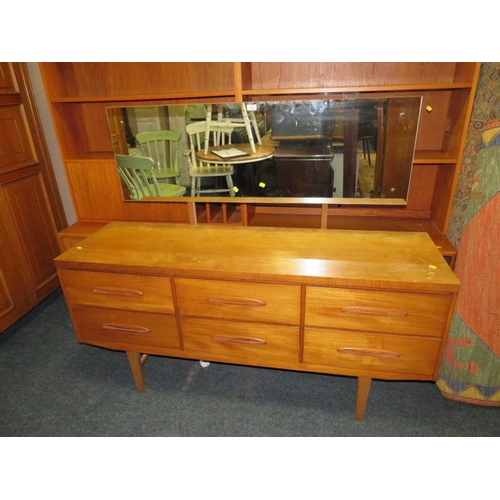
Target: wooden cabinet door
14, 297
8, 83
35, 227
31, 228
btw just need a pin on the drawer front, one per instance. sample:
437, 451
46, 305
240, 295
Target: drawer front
248, 343
365, 351
377, 310
272, 303
120, 291
122, 329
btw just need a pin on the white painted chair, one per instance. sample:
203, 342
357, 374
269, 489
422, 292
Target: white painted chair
220, 134
244, 121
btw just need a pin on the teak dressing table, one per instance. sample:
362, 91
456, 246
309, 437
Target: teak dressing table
367, 304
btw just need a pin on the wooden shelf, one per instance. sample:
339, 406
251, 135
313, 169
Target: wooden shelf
433, 158
147, 97
354, 90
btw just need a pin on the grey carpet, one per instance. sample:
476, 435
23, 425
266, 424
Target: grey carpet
52, 386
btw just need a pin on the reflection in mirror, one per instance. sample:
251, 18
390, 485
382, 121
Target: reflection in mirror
359, 149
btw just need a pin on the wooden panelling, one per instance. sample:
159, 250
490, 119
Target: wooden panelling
323, 74
457, 114
421, 191
94, 79
443, 196
96, 189
433, 123
159, 211
98, 183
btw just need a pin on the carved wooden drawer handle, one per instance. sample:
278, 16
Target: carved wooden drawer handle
237, 302
125, 328
374, 311
123, 292
239, 340
368, 352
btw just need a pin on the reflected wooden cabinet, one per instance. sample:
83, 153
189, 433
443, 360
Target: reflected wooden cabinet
31, 210
117, 131
79, 94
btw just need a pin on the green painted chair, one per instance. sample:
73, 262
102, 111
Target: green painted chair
138, 175
163, 147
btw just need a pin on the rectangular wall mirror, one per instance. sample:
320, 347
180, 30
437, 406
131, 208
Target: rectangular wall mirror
333, 149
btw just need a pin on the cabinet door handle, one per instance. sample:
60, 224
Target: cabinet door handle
374, 311
368, 352
237, 302
238, 340
125, 328
123, 292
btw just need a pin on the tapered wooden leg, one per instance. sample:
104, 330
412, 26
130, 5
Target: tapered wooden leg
363, 390
135, 362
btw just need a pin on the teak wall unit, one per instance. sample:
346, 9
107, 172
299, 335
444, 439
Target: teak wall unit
78, 94
31, 211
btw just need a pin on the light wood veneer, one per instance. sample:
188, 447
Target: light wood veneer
369, 304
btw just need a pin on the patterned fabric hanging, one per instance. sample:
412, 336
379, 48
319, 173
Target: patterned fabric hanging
470, 370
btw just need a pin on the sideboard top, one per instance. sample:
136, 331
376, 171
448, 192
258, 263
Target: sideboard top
392, 259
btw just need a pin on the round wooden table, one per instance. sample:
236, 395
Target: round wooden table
261, 153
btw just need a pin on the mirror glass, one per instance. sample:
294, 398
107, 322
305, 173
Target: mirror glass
341, 149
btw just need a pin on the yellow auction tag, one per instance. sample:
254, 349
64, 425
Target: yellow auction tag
235, 189
428, 108
262, 184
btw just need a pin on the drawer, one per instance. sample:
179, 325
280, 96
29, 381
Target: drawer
264, 302
248, 343
375, 351
123, 329
120, 291
377, 310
